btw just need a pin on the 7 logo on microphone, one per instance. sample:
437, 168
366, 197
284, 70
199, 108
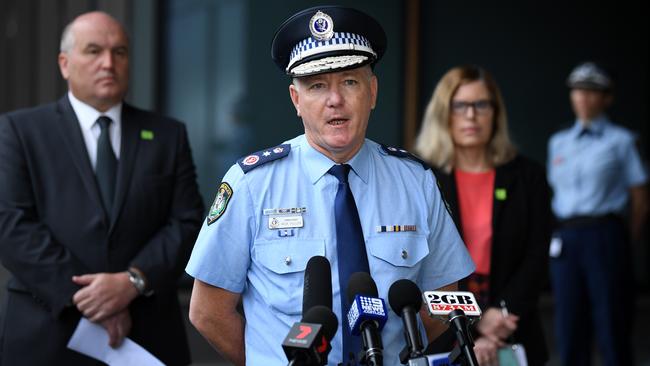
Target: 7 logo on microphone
302, 335
441, 303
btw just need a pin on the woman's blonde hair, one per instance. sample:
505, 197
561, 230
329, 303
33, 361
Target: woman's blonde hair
434, 143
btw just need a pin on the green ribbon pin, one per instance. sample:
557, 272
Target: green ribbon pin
146, 135
501, 194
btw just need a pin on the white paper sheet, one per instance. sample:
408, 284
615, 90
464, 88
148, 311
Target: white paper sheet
92, 340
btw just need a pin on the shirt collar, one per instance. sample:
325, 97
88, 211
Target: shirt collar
317, 164
87, 115
597, 126
360, 162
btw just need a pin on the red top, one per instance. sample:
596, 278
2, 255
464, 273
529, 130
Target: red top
475, 199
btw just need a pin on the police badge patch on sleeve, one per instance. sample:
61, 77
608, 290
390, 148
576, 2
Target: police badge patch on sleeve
220, 202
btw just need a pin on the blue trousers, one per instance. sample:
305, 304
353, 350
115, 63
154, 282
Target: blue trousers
593, 288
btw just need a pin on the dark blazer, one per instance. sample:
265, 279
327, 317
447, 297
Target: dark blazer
521, 229
52, 226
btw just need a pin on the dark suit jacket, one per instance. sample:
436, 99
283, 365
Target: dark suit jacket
52, 226
521, 229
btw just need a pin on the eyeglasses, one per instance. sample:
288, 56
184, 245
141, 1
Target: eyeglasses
481, 107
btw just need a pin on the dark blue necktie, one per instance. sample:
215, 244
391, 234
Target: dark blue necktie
585, 132
350, 249
106, 168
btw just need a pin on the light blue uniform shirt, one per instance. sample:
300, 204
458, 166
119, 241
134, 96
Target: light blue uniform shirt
238, 252
591, 171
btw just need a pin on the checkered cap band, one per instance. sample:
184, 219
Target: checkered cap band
589, 73
341, 41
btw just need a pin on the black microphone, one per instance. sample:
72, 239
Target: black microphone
323, 315
405, 298
456, 306
308, 341
465, 346
367, 316
317, 288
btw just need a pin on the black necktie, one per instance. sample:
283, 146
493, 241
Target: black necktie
106, 168
350, 248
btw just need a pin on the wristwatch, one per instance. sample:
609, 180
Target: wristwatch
138, 282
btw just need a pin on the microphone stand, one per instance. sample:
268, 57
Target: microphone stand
373, 354
465, 349
413, 348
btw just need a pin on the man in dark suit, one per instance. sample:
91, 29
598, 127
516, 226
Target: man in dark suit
99, 208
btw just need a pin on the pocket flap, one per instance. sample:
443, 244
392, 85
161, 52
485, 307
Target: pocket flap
288, 255
399, 249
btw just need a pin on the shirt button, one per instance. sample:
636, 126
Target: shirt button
287, 260
405, 254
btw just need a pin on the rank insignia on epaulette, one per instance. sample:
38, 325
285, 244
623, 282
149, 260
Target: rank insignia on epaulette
251, 160
220, 202
261, 157
401, 153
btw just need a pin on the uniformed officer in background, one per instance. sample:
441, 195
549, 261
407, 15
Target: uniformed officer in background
277, 208
598, 179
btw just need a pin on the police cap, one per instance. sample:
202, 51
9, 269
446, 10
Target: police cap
589, 75
326, 39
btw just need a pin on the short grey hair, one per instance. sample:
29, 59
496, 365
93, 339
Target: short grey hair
67, 38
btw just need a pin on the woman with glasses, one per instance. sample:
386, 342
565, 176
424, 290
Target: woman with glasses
500, 203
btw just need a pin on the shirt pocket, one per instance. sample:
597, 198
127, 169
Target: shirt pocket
282, 266
604, 168
397, 255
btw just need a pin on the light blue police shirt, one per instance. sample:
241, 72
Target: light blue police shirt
240, 253
592, 170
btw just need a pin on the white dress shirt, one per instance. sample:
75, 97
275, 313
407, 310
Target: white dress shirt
87, 117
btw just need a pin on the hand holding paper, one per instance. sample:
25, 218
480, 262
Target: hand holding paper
93, 340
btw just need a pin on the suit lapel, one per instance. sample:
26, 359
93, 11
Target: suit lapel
74, 143
128, 149
503, 181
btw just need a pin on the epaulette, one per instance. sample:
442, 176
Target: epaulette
401, 153
262, 157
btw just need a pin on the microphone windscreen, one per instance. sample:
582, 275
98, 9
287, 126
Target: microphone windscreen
403, 293
360, 283
324, 316
317, 288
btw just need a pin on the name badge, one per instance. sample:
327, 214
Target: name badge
555, 248
285, 222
